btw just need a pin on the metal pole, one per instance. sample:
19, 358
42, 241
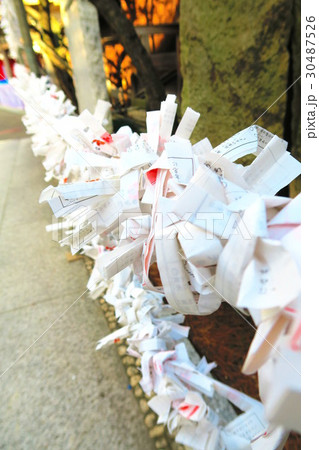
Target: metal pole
26, 37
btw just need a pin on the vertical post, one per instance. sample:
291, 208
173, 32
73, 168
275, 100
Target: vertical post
81, 24
26, 38
6, 62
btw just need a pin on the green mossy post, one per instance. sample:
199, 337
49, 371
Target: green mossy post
295, 107
236, 60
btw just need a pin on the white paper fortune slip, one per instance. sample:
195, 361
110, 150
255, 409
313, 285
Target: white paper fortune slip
187, 124
273, 169
167, 117
86, 189
250, 140
180, 156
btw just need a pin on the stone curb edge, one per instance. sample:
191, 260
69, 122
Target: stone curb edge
163, 440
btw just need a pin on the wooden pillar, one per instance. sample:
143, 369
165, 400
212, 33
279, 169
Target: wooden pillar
82, 29
26, 38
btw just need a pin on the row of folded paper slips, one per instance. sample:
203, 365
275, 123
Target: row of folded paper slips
217, 233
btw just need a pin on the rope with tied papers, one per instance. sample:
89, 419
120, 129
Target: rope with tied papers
216, 231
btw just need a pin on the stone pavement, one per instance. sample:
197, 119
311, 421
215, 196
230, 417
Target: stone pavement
61, 393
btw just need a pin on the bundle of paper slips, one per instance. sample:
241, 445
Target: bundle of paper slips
216, 231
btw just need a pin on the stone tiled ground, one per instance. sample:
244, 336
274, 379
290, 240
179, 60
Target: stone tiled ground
61, 393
